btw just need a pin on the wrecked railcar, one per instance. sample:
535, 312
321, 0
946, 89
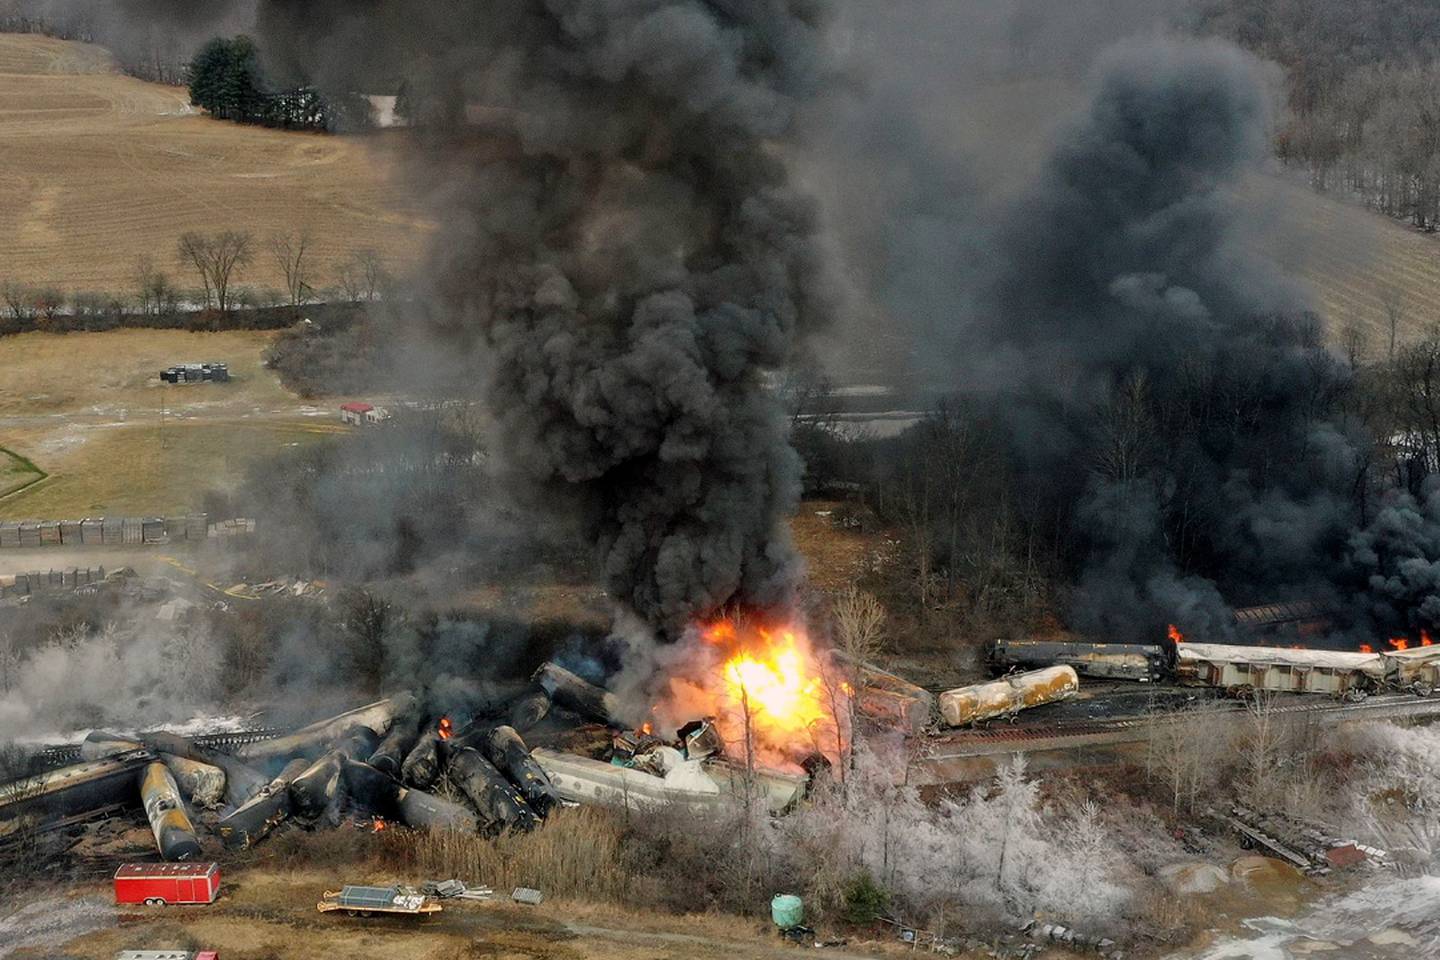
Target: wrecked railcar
1416, 669
54, 797
1003, 699
693, 783
1237, 669
169, 820
1144, 663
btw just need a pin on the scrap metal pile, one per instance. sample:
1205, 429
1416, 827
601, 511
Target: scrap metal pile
402, 761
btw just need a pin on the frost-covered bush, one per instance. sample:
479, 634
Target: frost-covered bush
997, 853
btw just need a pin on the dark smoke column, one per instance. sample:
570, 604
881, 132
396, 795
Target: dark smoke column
621, 259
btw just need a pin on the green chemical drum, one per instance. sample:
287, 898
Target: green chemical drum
787, 911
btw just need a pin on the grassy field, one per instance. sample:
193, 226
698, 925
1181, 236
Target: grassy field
97, 169
89, 409
16, 472
115, 373
152, 469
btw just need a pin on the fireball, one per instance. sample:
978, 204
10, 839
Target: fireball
776, 684
765, 688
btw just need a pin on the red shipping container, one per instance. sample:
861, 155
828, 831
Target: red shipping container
155, 884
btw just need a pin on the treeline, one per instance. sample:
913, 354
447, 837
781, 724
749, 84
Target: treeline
215, 261
152, 47
1363, 90
226, 80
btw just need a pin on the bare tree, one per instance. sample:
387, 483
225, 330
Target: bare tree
1394, 305
859, 620
807, 394
1262, 749
1186, 749
49, 302
19, 301
193, 248
289, 250
369, 620
362, 277
1354, 341
156, 294
1128, 431
216, 258
19, 782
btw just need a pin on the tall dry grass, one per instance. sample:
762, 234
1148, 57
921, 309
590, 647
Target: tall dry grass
577, 852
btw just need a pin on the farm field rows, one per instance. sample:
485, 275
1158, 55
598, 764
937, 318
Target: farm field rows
1358, 264
97, 169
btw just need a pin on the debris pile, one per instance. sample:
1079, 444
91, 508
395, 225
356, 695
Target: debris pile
400, 760
1303, 845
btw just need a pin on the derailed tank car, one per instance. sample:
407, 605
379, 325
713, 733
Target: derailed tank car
1002, 699
1238, 669
1109, 661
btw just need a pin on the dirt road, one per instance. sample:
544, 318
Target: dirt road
266, 914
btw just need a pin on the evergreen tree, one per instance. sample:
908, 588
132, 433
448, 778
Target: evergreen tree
207, 72
226, 81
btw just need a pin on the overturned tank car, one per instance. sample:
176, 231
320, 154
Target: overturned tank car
1004, 698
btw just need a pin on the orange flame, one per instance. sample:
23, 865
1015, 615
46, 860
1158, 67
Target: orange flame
1366, 648
378, 825
647, 728
771, 677
1399, 643
445, 730
763, 685
1175, 635
1425, 640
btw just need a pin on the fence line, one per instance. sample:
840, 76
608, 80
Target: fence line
113, 531
28, 584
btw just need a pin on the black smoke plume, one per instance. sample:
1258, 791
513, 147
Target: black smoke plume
1168, 396
1125, 312
621, 260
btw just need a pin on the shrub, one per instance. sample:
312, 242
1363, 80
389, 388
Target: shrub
865, 900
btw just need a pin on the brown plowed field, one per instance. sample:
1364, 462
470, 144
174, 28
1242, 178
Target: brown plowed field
98, 168
1358, 265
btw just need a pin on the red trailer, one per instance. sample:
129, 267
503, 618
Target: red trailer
156, 884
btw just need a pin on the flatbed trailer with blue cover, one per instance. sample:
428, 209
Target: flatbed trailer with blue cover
359, 901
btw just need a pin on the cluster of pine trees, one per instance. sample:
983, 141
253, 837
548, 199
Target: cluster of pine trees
226, 80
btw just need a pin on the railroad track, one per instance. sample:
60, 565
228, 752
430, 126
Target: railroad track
960, 745
61, 755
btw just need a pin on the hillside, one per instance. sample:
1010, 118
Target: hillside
1359, 265
98, 168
